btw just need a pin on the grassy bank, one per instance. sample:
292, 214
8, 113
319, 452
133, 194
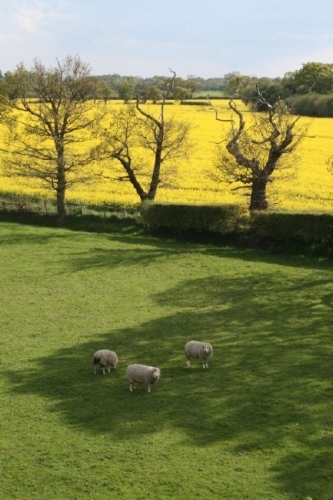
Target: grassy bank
256, 425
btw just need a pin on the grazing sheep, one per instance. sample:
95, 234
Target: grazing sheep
200, 350
105, 359
142, 374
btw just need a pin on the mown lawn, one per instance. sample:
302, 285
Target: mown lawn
258, 424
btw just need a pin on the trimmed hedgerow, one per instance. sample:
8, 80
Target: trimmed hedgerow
310, 231
183, 218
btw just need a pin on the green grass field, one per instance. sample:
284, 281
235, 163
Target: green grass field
256, 425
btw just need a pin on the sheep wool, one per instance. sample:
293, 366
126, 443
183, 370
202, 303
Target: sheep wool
200, 350
105, 359
142, 374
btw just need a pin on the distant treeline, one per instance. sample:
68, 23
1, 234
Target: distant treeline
307, 91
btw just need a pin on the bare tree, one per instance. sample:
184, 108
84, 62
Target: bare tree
133, 132
252, 154
50, 134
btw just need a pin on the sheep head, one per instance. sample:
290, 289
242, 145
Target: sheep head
155, 373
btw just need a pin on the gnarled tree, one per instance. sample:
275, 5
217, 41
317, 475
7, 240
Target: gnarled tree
253, 154
143, 142
50, 133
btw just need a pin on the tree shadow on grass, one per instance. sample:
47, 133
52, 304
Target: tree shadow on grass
36, 238
268, 389
153, 247
127, 234
97, 257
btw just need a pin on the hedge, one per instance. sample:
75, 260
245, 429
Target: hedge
184, 218
312, 232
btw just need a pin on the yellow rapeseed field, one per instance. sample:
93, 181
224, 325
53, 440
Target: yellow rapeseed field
310, 188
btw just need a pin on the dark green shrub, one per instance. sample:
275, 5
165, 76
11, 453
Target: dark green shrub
196, 103
311, 105
310, 232
325, 106
183, 218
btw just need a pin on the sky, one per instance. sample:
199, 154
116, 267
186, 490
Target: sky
148, 37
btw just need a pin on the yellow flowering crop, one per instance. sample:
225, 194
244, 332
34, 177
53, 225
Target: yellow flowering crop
310, 189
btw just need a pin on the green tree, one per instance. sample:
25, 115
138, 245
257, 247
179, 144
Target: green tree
126, 91
193, 85
141, 90
236, 84
103, 90
49, 136
154, 94
245, 88
181, 93
312, 77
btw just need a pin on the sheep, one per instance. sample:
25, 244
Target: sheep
200, 350
105, 359
142, 374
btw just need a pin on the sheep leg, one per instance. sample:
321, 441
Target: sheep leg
103, 371
188, 362
132, 386
149, 388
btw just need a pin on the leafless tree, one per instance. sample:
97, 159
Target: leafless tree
252, 154
135, 131
50, 133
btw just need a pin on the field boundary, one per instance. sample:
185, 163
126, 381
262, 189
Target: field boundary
44, 207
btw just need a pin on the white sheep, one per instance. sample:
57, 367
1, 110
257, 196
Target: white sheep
200, 350
105, 359
142, 374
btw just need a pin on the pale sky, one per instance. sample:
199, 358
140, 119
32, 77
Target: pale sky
147, 37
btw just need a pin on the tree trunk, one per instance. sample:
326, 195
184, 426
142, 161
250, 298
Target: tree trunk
62, 209
126, 163
154, 185
61, 181
136, 184
155, 179
258, 195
